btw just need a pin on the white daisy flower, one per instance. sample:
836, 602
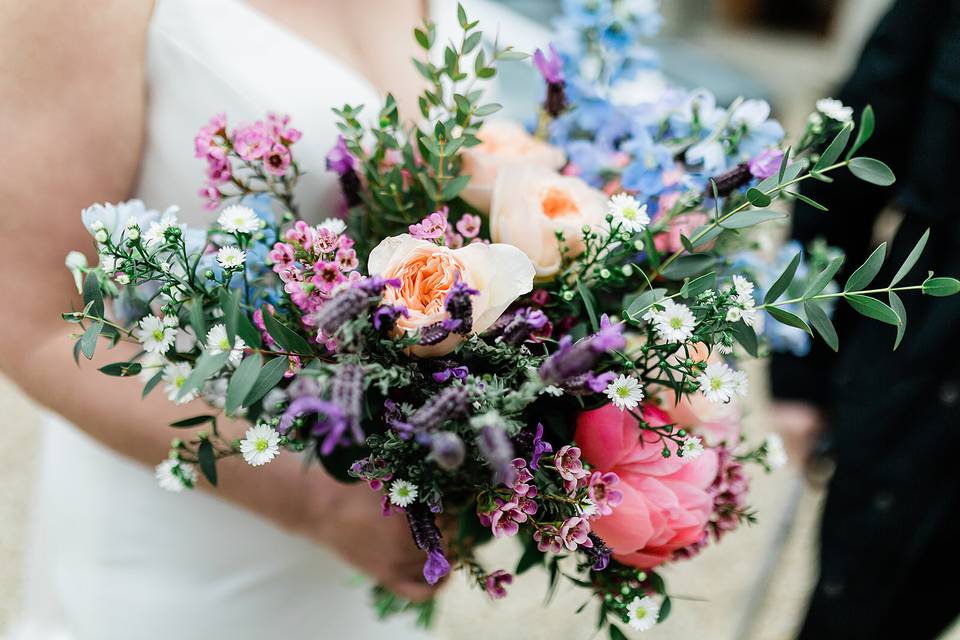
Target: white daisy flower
750, 316
403, 493
741, 383
260, 445
675, 323
231, 257
336, 225
643, 613
692, 448
174, 475
552, 390
588, 509
776, 452
219, 342
720, 383
626, 210
154, 335
835, 110
156, 235
171, 321
150, 364
76, 262
238, 219
175, 374
734, 314
625, 392
744, 289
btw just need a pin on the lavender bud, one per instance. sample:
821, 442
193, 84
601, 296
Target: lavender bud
727, 182
449, 403
460, 307
447, 450
345, 306
497, 450
599, 553
433, 334
346, 390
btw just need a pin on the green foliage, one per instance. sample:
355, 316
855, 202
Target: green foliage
865, 274
122, 369
242, 382
872, 171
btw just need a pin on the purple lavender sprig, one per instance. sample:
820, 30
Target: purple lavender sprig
460, 308
426, 535
523, 325
346, 391
576, 359
551, 68
329, 422
449, 403
497, 450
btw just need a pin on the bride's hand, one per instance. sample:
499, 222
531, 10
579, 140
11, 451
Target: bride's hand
354, 526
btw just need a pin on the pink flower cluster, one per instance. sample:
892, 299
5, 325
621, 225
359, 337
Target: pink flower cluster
436, 226
263, 147
312, 262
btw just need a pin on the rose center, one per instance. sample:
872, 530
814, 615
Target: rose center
557, 203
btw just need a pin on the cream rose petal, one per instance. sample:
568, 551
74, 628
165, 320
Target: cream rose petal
502, 272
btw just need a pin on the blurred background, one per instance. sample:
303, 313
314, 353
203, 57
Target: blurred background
790, 53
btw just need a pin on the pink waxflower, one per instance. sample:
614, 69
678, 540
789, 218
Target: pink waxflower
495, 584
211, 194
505, 520
452, 239
540, 297
282, 256
601, 492
300, 233
345, 241
279, 127
521, 478
327, 276
252, 142
277, 160
570, 467
432, 227
262, 326
293, 366
548, 539
347, 259
469, 225
219, 169
575, 533
325, 241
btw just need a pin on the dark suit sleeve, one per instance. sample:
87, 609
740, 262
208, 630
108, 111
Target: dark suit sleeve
892, 76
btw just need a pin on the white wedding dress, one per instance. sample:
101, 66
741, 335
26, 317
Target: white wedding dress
112, 556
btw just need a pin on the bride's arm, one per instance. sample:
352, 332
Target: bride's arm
72, 102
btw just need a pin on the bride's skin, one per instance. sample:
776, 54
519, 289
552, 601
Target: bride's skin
72, 112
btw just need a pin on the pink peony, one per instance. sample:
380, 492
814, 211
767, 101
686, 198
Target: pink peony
666, 503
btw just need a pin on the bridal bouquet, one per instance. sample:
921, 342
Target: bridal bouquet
527, 335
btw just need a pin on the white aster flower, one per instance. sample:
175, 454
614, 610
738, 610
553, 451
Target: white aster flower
231, 257
720, 383
219, 342
150, 364
239, 219
743, 289
260, 445
835, 110
692, 448
171, 321
588, 509
741, 383
154, 335
625, 392
175, 375
776, 452
734, 314
403, 493
156, 235
675, 323
552, 390
626, 210
174, 475
336, 225
76, 262
643, 613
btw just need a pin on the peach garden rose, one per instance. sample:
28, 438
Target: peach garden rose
530, 204
427, 272
502, 144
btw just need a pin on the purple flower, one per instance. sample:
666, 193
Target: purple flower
575, 359
385, 316
550, 66
548, 539
599, 553
329, 423
447, 450
570, 467
495, 584
436, 566
601, 492
766, 164
460, 308
575, 533
457, 373
540, 447
432, 227
525, 324
346, 391
449, 403
339, 158
497, 450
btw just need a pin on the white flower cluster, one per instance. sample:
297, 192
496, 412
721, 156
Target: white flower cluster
745, 306
673, 321
719, 383
835, 110
628, 213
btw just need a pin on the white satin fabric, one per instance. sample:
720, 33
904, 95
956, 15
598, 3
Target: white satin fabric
114, 557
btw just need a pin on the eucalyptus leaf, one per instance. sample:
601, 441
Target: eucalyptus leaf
286, 337
897, 305
873, 308
747, 337
793, 170
783, 282
92, 296
88, 342
807, 200
832, 152
693, 288
152, 383
864, 131
820, 321
941, 287
911, 258
751, 218
589, 302
872, 171
208, 461
193, 422
230, 304
531, 557
865, 274
207, 365
666, 606
269, 376
122, 369
824, 277
758, 198
790, 319
197, 319
242, 382
616, 634
687, 266
644, 301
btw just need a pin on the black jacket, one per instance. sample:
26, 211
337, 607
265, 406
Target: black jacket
890, 530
